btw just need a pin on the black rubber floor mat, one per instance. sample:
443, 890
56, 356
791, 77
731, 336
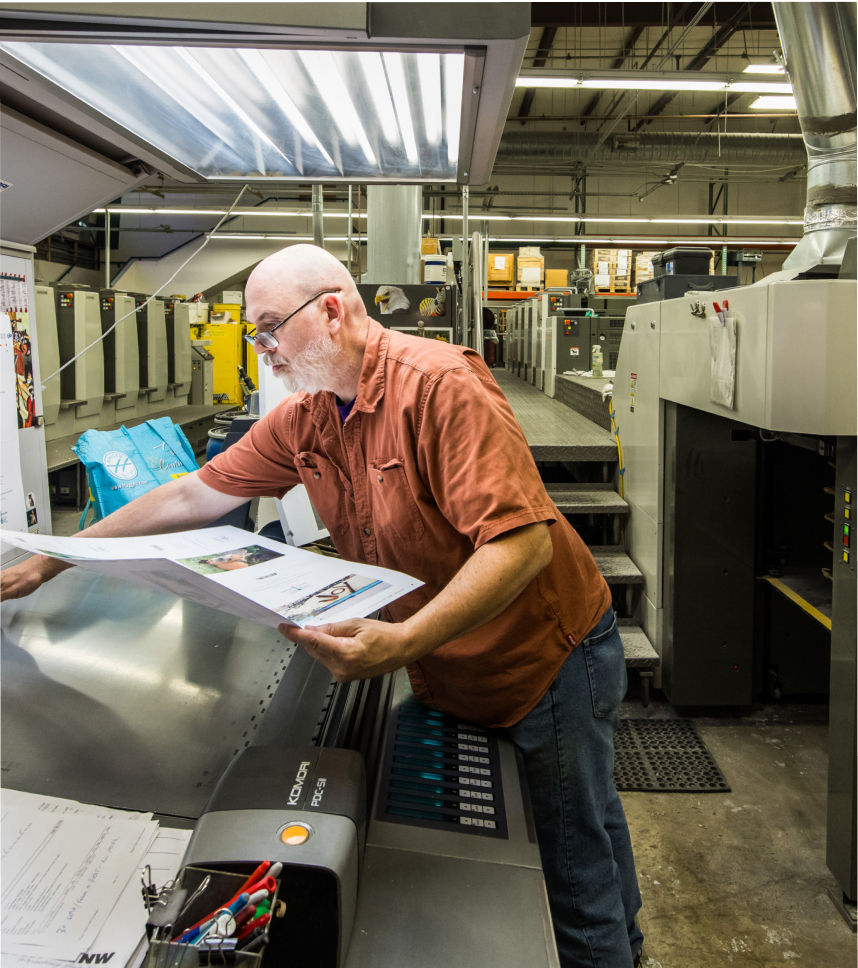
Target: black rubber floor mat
664, 756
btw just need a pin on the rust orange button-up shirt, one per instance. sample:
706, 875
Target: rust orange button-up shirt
429, 465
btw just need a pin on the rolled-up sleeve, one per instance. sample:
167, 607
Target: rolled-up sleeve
475, 458
261, 464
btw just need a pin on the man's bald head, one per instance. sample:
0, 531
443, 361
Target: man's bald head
295, 274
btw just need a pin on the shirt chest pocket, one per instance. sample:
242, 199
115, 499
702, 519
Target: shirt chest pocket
394, 511
325, 488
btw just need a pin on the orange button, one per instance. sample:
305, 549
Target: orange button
295, 834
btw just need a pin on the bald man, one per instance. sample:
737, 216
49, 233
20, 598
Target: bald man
414, 461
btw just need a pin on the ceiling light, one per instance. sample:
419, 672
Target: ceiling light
253, 212
454, 68
268, 79
760, 87
204, 75
429, 72
323, 69
475, 217
653, 81
376, 81
396, 77
764, 69
645, 84
785, 103
268, 237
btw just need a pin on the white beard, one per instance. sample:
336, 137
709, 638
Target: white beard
312, 369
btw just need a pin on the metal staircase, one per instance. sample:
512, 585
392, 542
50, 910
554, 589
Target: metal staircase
568, 445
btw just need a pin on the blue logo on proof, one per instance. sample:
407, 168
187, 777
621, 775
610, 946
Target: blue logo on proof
119, 465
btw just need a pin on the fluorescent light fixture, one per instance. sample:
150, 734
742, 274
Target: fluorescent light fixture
471, 218
204, 75
268, 237
268, 79
777, 103
764, 69
376, 81
429, 72
644, 84
396, 77
454, 69
322, 68
757, 87
248, 113
655, 81
428, 216
237, 212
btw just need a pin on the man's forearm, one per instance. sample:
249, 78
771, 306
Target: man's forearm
492, 578
182, 504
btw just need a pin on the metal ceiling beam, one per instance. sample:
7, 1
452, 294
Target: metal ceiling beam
542, 52
700, 60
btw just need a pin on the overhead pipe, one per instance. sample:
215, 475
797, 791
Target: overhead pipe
819, 41
667, 147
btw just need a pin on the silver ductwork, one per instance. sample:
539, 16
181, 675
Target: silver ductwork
819, 42
561, 148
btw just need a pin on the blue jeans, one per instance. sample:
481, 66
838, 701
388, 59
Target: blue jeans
568, 746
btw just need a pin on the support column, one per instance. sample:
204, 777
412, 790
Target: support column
466, 271
106, 247
393, 232
318, 218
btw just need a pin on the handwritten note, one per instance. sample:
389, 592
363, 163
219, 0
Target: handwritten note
63, 873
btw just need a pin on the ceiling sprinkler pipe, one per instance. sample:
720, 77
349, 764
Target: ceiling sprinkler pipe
819, 41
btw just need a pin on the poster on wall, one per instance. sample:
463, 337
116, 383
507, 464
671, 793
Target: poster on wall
12, 506
14, 304
409, 306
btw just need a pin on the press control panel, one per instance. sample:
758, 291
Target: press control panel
440, 773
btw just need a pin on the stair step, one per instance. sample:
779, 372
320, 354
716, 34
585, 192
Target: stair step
586, 499
638, 649
616, 566
553, 431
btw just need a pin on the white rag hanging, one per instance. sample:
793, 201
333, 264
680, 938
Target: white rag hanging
722, 347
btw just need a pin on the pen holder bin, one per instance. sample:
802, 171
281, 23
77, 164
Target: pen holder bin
167, 954
222, 886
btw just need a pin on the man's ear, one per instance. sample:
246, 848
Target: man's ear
335, 310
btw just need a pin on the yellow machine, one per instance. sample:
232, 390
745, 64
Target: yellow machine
230, 351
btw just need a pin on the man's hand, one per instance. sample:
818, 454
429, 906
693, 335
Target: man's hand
358, 649
492, 578
23, 579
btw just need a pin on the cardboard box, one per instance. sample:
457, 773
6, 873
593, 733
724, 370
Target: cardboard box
556, 278
430, 247
501, 267
529, 252
230, 297
643, 267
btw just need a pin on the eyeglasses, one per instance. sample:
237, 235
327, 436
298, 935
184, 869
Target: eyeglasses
267, 339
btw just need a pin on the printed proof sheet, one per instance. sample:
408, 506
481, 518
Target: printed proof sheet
237, 572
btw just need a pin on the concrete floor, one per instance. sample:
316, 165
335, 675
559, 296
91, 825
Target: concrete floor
740, 879
737, 879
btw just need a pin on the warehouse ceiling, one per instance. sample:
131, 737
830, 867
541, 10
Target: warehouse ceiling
590, 144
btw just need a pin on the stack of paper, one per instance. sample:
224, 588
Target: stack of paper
71, 880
